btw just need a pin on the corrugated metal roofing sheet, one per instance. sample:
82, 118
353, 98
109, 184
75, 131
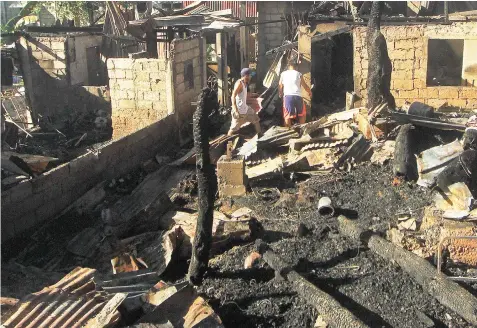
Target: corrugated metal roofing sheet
71, 302
324, 144
250, 7
202, 9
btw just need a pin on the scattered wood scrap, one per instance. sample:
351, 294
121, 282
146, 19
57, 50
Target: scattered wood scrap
180, 306
217, 149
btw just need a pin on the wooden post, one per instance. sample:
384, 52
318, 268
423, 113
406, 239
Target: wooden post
304, 67
222, 74
207, 186
244, 61
151, 44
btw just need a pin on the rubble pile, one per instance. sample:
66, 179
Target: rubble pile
137, 231
30, 149
361, 217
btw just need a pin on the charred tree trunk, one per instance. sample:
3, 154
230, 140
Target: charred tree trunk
380, 67
207, 186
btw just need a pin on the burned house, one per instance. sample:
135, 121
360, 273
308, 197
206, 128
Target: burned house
60, 70
80, 82
432, 63
363, 216
436, 56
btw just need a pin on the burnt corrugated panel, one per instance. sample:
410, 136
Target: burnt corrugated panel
250, 7
71, 302
324, 144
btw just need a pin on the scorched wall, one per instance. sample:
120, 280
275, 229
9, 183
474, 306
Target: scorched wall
54, 70
32, 202
408, 50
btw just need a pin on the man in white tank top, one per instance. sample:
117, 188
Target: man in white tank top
289, 87
241, 112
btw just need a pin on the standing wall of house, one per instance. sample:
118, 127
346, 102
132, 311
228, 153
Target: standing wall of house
138, 89
144, 91
188, 78
78, 63
54, 71
29, 204
408, 50
270, 35
43, 61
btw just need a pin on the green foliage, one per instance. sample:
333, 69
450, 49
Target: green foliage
75, 10
30, 8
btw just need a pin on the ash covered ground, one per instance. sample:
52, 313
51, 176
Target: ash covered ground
375, 290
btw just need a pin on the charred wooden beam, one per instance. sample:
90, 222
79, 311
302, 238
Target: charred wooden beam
380, 67
328, 307
207, 187
405, 163
447, 292
151, 44
428, 122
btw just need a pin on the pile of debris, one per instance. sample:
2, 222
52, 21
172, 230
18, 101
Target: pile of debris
30, 149
148, 223
141, 238
424, 146
84, 298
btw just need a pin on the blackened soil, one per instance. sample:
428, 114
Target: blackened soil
375, 290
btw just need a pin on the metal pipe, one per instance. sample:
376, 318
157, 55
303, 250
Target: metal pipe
325, 207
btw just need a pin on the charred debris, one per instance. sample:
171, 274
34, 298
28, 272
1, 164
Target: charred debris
363, 216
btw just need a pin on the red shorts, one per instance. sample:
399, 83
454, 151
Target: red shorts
293, 106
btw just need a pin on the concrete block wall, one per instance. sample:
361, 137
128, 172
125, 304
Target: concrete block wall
407, 48
186, 51
32, 202
78, 64
144, 91
50, 64
43, 61
139, 96
270, 35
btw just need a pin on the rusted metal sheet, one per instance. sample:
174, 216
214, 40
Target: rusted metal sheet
71, 302
355, 153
